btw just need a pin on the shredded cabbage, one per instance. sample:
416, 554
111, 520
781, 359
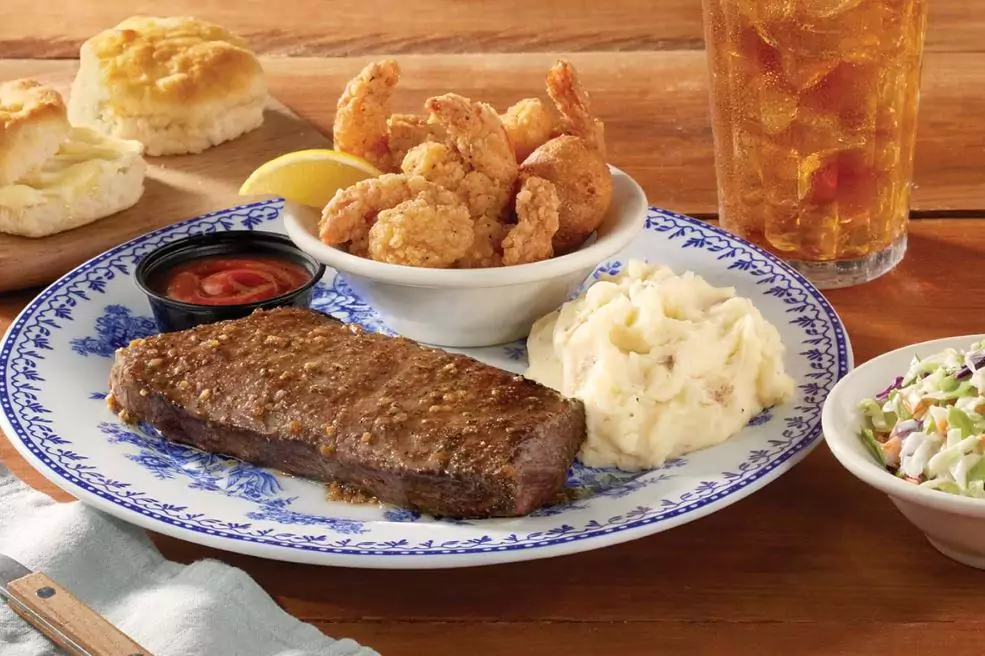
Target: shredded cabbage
931, 430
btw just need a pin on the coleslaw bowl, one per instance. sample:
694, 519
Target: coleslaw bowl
953, 524
474, 307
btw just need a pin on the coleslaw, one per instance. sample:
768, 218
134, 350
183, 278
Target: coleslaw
928, 426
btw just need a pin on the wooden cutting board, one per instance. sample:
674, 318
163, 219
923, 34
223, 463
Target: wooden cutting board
176, 188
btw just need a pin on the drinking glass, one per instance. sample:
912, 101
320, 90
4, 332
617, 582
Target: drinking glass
814, 113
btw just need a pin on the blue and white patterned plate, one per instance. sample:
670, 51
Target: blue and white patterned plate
56, 357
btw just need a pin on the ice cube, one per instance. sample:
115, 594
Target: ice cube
844, 176
817, 132
805, 72
780, 162
777, 109
848, 92
782, 226
760, 12
854, 238
856, 182
815, 9
768, 18
835, 30
819, 231
817, 177
753, 54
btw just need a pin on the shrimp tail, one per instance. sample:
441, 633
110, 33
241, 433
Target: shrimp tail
573, 103
360, 126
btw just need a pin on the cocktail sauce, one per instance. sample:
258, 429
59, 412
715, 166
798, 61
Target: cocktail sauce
230, 280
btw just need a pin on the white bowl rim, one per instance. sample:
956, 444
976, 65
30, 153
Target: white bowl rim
863, 466
628, 223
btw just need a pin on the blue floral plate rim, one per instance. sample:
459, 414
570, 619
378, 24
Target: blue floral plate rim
562, 538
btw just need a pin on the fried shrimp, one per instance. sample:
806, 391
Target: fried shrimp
456, 176
529, 124
433, 229
351, 212
361, 117
485, 197
478, 134
438, 162
537, 209
409, 130
487, 248
572, 101
359, 246
443, 165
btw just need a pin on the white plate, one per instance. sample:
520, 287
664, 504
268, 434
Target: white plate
57, 354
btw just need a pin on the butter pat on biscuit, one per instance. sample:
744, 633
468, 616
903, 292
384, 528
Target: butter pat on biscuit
90, 177
178, 85
33, 123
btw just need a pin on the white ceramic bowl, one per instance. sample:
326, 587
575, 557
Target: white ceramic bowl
474, 307
955, 525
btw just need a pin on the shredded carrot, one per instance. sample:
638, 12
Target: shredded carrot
892, 448
919, 410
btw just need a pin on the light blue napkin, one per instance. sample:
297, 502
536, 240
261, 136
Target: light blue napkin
170, 609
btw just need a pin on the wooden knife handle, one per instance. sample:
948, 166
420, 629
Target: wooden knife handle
87, 628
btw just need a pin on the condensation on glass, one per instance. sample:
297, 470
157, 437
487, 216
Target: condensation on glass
814, 107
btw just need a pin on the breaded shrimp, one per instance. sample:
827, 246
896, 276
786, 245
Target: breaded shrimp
438, 162
359, 246
537, 208
478, 134
351, 212
484, 196
485, 200
574, 104
429, 230
441, 164
487, 248
361, 117
529, 124
408, 130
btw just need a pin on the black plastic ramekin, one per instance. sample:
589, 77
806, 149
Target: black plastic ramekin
172, 315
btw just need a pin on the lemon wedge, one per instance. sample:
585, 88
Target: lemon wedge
308, 177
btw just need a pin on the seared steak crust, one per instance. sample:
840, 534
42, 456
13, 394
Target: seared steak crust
298, 391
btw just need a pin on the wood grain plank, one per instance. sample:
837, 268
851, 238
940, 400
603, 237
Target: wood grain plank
782, 555
691, 638
656, 109
175, 188
56, 28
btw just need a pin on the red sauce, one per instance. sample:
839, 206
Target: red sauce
231, 280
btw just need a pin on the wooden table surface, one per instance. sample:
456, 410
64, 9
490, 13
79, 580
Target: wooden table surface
816, 563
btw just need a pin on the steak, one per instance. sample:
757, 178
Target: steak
298, 391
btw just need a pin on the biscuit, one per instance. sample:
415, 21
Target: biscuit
178, 85
33, 124
90, 177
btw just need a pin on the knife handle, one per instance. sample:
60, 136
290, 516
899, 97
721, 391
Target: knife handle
57, 606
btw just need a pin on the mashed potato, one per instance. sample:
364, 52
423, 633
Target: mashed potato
664, 364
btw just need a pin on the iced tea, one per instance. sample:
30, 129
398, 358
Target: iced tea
814, 107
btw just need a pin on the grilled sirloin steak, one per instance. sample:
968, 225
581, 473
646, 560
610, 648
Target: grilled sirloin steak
298, 391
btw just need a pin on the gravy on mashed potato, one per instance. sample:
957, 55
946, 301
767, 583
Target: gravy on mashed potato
664, 364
